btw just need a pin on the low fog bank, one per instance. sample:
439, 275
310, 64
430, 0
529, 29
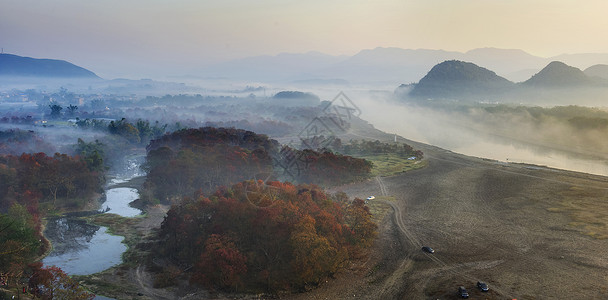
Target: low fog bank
565, 137
556, 134
118, 86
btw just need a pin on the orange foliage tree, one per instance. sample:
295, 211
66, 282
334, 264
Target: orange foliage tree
52, 283
263, 237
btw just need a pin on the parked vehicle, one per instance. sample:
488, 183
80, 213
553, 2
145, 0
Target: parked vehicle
428, 249
482, 286
463, 292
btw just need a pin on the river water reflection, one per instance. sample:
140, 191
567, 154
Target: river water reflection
117, 202
82, 249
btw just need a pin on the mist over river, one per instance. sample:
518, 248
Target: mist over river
453, 133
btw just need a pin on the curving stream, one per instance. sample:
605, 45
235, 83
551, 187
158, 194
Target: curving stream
82, 249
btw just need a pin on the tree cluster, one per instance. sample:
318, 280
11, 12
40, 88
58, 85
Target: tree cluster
140, 132
360, 147
187, 160
324, 167
62, 180
27, 183
21, 241
17, 141
366, 147
262, 237
49, 283
191, 159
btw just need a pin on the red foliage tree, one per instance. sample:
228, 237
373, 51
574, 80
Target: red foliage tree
267, 237
221, 263
52, 283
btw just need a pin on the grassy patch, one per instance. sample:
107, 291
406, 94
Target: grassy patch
107, 283
392, 164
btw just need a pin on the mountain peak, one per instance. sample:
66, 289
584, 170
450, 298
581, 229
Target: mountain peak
557, 73
14, 65
599, 70
454, 78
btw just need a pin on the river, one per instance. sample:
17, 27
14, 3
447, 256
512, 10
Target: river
82, 249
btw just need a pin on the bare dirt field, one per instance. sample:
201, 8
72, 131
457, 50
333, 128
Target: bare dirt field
529, 232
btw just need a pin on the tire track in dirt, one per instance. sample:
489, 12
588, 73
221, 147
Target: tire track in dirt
398, 216
454, 269
144, 282
383, 189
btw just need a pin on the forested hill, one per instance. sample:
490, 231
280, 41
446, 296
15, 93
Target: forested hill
14, 65
558, 74
188, 160
233, 227
210, 136
258, 237
452, 78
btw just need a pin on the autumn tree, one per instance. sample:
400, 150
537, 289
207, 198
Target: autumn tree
260, 236
221, 263
188, 160
359, 220
313, 255
52, 283
61, 179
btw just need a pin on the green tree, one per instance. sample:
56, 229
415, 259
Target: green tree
126, 130
55, 110
72, 110
93, 154
20, 243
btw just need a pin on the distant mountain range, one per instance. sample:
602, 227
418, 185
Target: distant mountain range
19, 66
392, 66
382, 66
464, 80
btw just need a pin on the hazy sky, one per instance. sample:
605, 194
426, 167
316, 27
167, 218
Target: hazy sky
125, 37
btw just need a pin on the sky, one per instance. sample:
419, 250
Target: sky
125, 38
